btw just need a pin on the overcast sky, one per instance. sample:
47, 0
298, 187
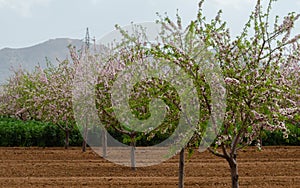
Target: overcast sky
28, 22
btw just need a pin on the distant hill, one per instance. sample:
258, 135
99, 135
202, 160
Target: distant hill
29, 57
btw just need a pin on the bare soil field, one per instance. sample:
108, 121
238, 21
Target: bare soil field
55, 167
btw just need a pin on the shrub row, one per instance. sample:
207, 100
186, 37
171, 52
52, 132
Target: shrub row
276, 138
14, 133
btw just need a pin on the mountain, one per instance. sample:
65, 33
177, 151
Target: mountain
29, 57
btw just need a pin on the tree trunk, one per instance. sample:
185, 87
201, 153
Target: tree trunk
261, 142
83, 146
104, 143
132, 156
67, 131
85, 133
181, 169
234, 172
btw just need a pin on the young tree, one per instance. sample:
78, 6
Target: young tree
133, 49
261, 75
138, 49
56, 104
260, 95
11, 95
185, 48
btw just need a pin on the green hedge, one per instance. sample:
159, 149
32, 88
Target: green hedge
14, 132
276, 138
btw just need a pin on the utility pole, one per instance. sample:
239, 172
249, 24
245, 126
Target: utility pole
87, 39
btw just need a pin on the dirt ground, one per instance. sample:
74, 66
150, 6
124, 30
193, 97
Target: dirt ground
55, 167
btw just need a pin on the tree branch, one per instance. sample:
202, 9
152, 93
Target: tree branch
216, 153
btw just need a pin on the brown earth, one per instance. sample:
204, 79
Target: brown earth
55, 167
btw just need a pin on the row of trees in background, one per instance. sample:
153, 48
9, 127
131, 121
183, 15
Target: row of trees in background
260, 69
42, 95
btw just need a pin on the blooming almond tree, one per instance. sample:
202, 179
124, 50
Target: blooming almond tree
136, 48
261, 72
261, 96
56, 102
11, 95
133, 49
